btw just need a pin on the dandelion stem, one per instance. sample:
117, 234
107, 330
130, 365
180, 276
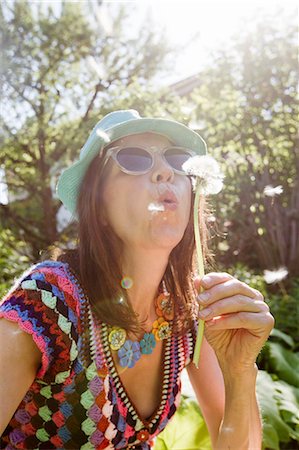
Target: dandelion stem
201, 272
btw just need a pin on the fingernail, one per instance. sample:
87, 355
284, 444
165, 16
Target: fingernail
203, 297
204, 312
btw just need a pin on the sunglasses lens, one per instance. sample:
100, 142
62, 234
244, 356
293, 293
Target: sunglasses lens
134, 159
176, 157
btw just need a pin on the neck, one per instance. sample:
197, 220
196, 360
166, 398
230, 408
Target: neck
146, 270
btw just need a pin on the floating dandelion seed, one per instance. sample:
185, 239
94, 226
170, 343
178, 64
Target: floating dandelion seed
271, 191
206, 178
126, 282
155, 207
275, 276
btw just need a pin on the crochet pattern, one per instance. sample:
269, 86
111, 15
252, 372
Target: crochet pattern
78, 400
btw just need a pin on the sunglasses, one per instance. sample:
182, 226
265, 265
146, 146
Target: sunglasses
135, 160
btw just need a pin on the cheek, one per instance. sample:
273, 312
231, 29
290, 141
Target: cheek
187, 199
120, 205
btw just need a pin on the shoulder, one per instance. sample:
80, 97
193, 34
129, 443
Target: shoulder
45, 302
51, 279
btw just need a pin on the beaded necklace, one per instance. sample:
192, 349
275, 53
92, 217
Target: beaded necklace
128, 351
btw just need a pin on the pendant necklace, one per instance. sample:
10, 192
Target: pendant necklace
128, 351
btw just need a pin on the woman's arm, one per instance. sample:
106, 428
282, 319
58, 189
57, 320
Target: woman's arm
237, 324
20, 359
228, 403
241, 427
207, 382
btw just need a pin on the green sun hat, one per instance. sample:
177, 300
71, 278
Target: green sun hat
111, 127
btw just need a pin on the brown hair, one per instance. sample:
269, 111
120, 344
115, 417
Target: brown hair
97, 260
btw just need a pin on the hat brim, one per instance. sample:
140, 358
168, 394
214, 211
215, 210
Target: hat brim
71, 178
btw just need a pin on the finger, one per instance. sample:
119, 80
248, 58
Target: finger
236, 303
213, 278
226, 289
261, 323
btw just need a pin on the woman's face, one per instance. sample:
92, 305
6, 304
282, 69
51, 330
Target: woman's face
130, 201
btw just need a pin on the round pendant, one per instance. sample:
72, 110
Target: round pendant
161, 329
117, 338
143, 435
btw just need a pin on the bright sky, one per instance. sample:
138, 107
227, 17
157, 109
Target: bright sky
214, 21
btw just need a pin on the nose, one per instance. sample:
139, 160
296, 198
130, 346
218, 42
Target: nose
162, 171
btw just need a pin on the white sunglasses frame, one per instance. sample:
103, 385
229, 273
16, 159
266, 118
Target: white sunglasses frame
112, 152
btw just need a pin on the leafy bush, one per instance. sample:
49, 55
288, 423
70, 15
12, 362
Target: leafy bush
278, 392
285, 310
279, 406
13, 260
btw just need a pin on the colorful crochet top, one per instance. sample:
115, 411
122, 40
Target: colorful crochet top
77, 399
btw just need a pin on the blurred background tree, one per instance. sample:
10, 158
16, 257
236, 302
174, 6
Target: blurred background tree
247, 108
61, 73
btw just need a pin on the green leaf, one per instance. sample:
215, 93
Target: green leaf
282, 336
272, 420
187, 429
283, 362
288, 398
270, 440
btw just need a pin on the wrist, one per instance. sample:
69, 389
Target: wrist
238, 379
239, 372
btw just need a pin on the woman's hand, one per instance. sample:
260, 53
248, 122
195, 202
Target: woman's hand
237, 321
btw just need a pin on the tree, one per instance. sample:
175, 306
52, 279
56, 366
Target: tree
246, 108
60, 73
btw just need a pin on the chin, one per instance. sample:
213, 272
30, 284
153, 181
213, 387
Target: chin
168, 239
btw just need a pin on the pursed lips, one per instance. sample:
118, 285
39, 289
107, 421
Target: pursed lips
169, 200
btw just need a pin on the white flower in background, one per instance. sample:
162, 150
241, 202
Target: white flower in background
274, 276
205, 173
271, 191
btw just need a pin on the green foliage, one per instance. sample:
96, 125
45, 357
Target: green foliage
284, 308
278, 392
246, 109
61, 72
279, 403
13, 259
187, 429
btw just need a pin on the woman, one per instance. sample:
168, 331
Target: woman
97, 340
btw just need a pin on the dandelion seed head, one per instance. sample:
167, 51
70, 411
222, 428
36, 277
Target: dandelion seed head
274, 276
205, 172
